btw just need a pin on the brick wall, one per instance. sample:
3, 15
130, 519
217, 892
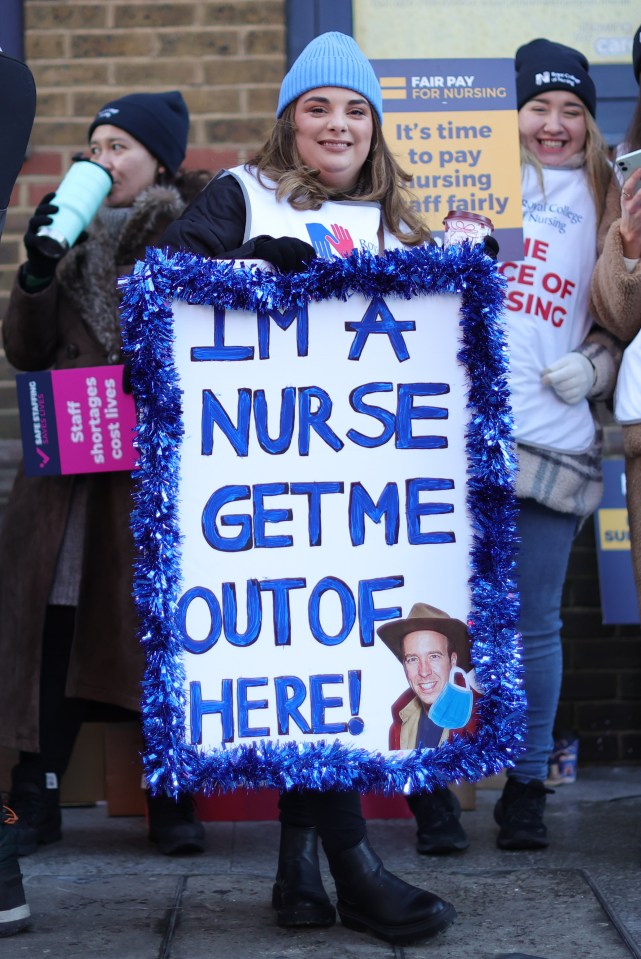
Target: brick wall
226, 58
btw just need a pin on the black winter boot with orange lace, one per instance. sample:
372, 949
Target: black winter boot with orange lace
14, 911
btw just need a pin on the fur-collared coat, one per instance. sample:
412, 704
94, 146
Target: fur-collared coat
73, 322
616, 304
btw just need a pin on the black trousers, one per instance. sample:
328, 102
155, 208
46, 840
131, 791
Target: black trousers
60, 717
336, 815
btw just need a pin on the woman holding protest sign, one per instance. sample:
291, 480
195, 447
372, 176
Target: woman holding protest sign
326, 154
68, 627
560, 367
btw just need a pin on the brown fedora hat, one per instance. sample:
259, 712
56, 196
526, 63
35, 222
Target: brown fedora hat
422, 617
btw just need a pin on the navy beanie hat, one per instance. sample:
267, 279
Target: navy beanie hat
160, 121
331, 60
636, 54
543, 65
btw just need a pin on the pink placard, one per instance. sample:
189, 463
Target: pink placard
94, 419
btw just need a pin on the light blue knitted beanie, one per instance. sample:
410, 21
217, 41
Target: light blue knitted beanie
331, 60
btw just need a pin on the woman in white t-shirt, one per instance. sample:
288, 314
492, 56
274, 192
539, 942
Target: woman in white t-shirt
559, 368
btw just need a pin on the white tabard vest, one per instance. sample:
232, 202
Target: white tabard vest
335, 230
547, 306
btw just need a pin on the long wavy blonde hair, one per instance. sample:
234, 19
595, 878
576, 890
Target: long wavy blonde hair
381, 179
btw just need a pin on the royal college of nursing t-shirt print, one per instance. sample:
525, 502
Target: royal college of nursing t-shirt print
547, 306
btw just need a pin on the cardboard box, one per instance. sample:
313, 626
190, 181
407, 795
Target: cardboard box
83, 784
123, 770
493, 782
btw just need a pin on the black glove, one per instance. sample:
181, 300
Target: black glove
286, 253
38, 265
491, 245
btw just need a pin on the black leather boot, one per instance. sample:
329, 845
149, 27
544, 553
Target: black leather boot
39, 818
14, 910
439, 831
371, 899
298, 895
174, 825
519, 813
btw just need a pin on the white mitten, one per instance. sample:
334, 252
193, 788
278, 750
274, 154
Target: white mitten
571, 377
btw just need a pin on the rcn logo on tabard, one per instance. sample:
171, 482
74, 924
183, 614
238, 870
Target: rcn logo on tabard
333, 241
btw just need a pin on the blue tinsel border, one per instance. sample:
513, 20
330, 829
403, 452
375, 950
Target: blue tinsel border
170, 763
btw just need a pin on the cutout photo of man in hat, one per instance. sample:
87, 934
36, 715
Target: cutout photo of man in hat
434, 650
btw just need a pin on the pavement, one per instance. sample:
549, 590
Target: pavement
104, 892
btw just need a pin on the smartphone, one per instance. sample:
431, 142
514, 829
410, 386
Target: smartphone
628, 163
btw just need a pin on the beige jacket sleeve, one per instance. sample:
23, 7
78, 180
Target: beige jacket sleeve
616, 293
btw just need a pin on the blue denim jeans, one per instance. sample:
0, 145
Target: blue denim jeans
544, 550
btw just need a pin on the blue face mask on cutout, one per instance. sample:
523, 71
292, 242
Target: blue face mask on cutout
453, 706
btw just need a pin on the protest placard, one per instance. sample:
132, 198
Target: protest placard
619, 598
76, 421
452, 124
318, 454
